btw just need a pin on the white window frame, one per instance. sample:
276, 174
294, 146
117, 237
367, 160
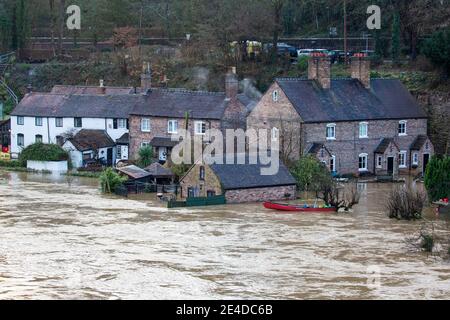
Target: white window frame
405, 133
275, 134
145, 144
379, 162
39, 121
20, 120
402, 155
21, 135
39, 135
172, 126
275, 96
333, 169
361, 125
61, 120
415, 159
121, 123
366, 156
331, 125
146, 125
197, 125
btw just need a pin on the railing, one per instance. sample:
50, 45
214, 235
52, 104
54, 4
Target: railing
10, 91
198, 202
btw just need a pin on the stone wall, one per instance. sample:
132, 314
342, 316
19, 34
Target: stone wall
261, 194
192, 180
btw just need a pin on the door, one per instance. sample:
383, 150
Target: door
109, 156
390, 165
426, 159
162, 154
191, 193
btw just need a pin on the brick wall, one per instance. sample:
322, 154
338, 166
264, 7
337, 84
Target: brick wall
261, 194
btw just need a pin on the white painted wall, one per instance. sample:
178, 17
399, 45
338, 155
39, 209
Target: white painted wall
49, 131
77, 156
53, 166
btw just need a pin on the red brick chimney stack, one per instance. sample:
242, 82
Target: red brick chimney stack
232, 85
360, 68
102, 87
146, 78
319, 68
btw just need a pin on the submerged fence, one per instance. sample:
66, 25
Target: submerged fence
198, 202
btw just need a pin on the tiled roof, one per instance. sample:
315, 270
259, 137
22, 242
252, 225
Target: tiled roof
349, 100
86, 140
419, 142
91, 90
163, 142
124, 139
384, 144
157, 170
316, 147
246, 176
134, 172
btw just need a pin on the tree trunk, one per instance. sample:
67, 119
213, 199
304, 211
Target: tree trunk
277, 6
62, 21
52, 25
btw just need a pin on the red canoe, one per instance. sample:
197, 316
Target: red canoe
295, 208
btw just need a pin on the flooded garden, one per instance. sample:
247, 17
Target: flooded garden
60, 238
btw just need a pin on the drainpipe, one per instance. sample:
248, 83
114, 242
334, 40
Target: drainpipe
48, 130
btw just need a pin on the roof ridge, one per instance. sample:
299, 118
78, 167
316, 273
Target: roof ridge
187, 91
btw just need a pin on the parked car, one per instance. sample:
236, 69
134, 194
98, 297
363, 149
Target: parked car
284, 49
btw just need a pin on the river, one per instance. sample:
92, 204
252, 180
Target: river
64, 240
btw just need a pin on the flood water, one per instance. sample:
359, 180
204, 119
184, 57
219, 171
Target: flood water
67, 241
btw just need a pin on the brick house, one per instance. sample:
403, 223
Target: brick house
239, 183
366, 125
161, 112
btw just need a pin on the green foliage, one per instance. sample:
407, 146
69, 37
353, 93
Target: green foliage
302, 64
437, 178
43, 152
311, 175
395, 50
10, 164
145, 156
110, 180
437, 50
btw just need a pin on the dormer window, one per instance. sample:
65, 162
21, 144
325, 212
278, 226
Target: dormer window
275, 96
331, 131
402, 128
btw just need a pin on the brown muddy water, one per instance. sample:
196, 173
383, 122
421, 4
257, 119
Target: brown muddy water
67, 241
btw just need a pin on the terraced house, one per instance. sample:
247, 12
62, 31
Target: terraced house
355, 125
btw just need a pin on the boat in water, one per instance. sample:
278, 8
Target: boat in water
297, 208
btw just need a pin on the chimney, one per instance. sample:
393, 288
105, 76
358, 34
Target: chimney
360, 67
319, 68
29, 88
102, 87
231, 85
146, 78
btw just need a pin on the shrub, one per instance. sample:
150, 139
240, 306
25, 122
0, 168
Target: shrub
10, 164
145, 156
437, 178
437, 49
405, 203
43, 152
302, 64
110, 180
311, 175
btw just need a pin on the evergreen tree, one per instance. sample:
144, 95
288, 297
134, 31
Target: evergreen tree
437, 178
395, 51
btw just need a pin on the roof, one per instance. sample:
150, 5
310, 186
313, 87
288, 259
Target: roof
349, 100
91, 90
176, 102
163, 142
316, 147
124, 139
246, 176
384, 144
86, 140
419, 142
86, 106
157, 170
134, 172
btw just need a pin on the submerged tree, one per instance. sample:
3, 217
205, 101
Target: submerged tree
437, 178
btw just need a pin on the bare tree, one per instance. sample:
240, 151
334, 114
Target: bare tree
62, 22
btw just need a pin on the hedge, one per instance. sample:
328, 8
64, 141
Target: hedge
43, 152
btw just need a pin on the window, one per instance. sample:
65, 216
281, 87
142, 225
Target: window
120, 123
402, 159
38, 121
145, 125
20, 140
172, 126
210, 193
333, 164
331, 132
38, 138
275, 96
363, 130
379, 162
415, 158
275, 134
145, 144
202, 173
59, 122
20, 121
363, 162
402, 128
78, 122
200, 127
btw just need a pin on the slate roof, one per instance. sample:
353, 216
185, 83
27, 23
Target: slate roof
315, 147
349, 100
86, 140
163, 142
384, 144
134, 172
247, 176
157, 170
419, 142
91, 90
124, 139
86, 106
